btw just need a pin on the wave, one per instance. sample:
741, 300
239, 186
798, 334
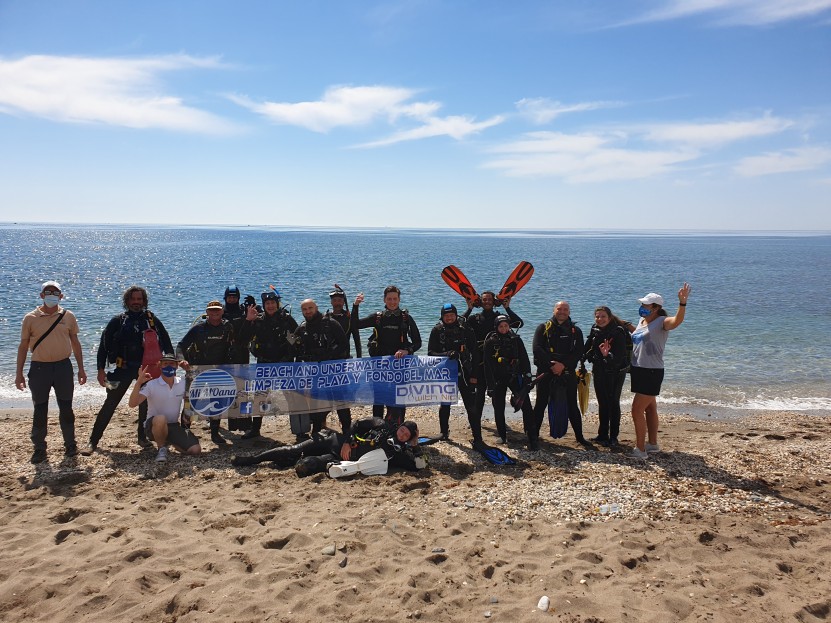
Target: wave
756, 403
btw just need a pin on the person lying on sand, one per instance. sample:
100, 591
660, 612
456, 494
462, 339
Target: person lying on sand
400, 443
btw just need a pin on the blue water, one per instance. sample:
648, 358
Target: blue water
756, 336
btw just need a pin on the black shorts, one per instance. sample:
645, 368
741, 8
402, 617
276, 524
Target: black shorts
177, 436
646, 381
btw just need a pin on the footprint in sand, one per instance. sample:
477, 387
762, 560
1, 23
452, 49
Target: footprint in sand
814, 612
631, 563
293, 540
62, 535
67, 515
139, 554
276, 543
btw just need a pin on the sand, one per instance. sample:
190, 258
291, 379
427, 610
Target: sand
728, 523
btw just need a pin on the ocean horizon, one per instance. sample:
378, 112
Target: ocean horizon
474, 231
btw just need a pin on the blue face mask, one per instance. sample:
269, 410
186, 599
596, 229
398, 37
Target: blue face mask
169, 371
50, 300
644, 311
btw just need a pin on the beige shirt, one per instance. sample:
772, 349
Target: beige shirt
57, 345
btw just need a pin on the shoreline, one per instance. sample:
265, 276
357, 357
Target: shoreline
92, 396
703, 413
729, 522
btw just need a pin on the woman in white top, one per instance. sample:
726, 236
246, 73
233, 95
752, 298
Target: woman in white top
647, 373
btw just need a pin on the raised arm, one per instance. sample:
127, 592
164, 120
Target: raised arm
516, 321
673, 322
136, 397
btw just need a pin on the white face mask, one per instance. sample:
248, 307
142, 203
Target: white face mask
50, 300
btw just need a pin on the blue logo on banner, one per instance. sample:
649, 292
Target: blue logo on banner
212, 393
246, 408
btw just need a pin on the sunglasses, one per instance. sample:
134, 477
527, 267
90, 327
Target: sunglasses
52, 292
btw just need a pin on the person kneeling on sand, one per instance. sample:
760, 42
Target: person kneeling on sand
164, 397
400, 443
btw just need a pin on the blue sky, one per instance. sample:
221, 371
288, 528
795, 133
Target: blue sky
649, 114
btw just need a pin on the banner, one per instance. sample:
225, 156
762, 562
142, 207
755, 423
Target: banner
260, 389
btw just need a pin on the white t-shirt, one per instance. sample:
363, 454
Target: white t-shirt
164, 400
648, 342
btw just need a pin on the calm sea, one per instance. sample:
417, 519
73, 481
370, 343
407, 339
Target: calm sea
756, 337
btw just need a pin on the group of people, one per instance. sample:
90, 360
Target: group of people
491, 359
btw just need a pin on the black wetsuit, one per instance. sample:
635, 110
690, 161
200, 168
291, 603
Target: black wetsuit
507, 366
458, 342
482, 324
344, 319
563, 343
208, 345
122, 344
313, 455
267, 337
236, 316
609, 375
320, 339
393, 331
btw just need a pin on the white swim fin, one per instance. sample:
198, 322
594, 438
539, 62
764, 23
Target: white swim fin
371, 463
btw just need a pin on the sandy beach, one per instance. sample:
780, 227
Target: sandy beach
728, 523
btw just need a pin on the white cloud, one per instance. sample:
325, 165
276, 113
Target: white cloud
347, 106
735, 12
343, 106
716, 133
453, 126
541, 110
590, 157
788, 161
114, 91
632, 152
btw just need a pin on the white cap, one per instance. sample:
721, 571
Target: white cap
652, 298
51, 284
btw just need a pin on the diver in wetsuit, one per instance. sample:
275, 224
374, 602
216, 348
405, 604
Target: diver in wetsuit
234, 312
319, 338
267, 335
558, 347
340, 313
482, 324
394, 333
122, 344
209, 343
507, 367
399, 442
452, 338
